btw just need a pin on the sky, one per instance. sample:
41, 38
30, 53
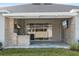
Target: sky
4, 3
8, 4
32, 1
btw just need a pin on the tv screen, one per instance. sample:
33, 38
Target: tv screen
65, 24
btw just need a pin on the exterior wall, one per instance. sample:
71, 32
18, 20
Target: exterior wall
2, 29
69, 33
56, 27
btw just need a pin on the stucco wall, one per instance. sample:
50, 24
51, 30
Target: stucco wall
76, 18
2, 29
10, 37
69, 33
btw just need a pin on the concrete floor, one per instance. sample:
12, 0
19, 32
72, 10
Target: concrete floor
48, 44
43, 44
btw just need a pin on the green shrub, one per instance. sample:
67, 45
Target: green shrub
0, 45
74, 46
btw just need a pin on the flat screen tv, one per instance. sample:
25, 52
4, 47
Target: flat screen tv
65, 23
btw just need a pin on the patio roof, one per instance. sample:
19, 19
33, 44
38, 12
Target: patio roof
41, 15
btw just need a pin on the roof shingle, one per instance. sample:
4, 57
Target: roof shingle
41, 8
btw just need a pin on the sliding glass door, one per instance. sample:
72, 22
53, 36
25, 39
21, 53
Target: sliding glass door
40, 31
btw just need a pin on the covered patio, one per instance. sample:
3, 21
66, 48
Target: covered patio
56, 32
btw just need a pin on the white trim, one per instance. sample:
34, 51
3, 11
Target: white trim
41, 15
4, 11
74, 11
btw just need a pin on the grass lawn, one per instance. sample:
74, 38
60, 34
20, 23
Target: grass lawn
38, 52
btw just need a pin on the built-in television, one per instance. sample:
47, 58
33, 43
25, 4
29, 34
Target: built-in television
65, 23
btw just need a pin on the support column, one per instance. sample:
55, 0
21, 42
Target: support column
2, 29
13, 36
77, 28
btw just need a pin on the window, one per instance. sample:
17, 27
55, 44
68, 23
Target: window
40, 30
36, 27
